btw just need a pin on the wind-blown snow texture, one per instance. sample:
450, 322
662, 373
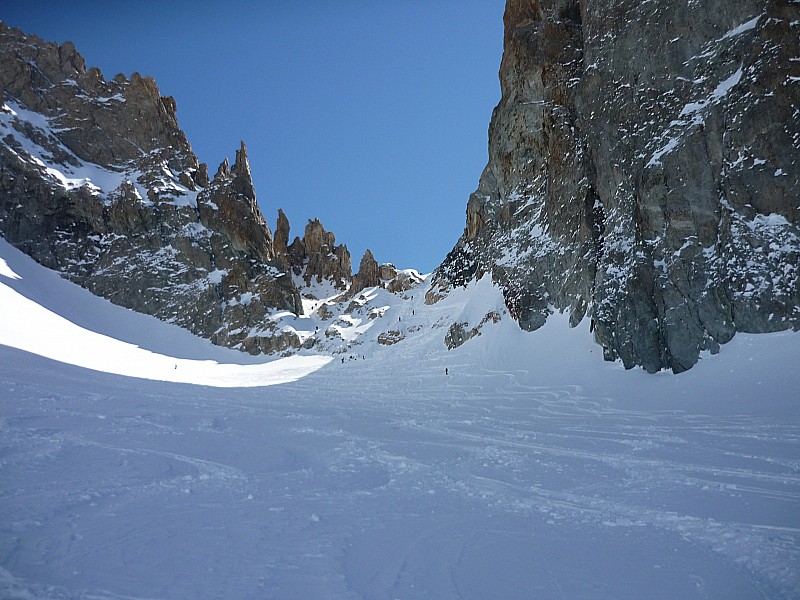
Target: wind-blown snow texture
533, 469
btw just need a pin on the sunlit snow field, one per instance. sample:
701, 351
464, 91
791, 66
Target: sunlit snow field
532, 470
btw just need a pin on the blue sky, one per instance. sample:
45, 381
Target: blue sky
370, 115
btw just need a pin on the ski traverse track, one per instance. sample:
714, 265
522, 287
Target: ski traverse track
532, 470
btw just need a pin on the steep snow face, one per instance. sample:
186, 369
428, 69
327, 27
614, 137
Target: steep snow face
636, 155
514, 465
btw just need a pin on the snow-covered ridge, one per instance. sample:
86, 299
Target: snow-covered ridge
29, 130
49, 316
335, 330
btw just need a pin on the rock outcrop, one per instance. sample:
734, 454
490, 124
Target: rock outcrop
315, 257
371, 274
368, 274
459, 332
643, 171
281, 242
97, 181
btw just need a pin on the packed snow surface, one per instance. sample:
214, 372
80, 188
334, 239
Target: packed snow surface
533, 469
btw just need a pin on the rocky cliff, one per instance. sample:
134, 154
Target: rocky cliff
371, 274
644, 170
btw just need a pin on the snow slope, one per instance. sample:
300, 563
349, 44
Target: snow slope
26, 323
532, 470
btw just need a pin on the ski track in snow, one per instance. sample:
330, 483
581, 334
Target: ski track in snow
526, 472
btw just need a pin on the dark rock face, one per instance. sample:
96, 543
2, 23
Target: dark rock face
121, 205
325, 260
643, 168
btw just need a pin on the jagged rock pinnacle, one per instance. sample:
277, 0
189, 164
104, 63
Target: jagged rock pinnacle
223, 171
201, 175
281, 240
368, 274
241, 165
242, 179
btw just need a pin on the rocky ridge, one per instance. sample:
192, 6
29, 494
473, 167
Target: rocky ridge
315, 257
644, 168
98, 182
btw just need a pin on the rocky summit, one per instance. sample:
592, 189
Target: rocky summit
98, 182
644, 168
